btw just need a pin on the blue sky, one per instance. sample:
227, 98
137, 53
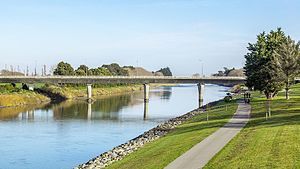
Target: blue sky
181, 34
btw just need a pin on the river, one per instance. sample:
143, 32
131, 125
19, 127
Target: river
66, 134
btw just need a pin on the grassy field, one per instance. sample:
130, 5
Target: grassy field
161, 152
270, 140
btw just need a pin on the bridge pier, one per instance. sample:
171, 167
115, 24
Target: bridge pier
201, 93
89, 92
146, 92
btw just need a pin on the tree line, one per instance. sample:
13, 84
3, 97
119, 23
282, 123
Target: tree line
114, 69
66, 69
272, 63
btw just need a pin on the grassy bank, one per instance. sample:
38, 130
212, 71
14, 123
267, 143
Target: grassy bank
21, 98
161, 152
270, 140
73, 92
14, 95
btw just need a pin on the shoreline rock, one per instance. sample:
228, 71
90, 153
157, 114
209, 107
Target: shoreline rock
120, 151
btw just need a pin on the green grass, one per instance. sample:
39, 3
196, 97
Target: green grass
73, 91
161, 152
16, 96
7, 88
21, 98
266, 142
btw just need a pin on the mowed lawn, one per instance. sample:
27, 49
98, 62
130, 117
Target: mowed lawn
161, 152
267, 141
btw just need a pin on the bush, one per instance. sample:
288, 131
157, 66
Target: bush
8, 88
228, 98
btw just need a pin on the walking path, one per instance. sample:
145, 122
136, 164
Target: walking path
199, 155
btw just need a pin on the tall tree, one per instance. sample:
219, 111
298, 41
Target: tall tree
63, 68
82, 70
259, 68
100, 71
287, 62
116, 70
165, 71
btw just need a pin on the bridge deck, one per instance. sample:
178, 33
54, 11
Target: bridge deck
120, 79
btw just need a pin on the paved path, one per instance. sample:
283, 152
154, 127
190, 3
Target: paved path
199, 155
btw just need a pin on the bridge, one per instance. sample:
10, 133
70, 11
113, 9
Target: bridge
145, 80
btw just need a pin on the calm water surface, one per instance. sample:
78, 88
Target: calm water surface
70, 133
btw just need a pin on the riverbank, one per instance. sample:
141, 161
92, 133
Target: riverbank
22, 98
164, 143
270, 139
49, 93
70, 92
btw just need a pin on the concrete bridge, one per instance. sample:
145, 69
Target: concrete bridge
146, 80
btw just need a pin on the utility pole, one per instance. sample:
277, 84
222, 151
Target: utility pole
27, 71
45, 70
35, 72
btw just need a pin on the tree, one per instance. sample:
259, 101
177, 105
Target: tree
100, 71
227, 72
63, 68
287, 62
165, 71
116, 70
82, 70
260, 69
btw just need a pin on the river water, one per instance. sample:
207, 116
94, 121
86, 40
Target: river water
70, 133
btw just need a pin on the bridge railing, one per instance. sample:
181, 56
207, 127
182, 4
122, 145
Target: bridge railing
124, 77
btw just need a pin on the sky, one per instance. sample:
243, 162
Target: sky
181, 34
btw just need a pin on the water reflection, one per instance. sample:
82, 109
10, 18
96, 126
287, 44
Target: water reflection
164, 94
103, 108
89, 111
146, 109
23, 112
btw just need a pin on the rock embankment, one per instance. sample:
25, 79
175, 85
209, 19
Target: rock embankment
122, 150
